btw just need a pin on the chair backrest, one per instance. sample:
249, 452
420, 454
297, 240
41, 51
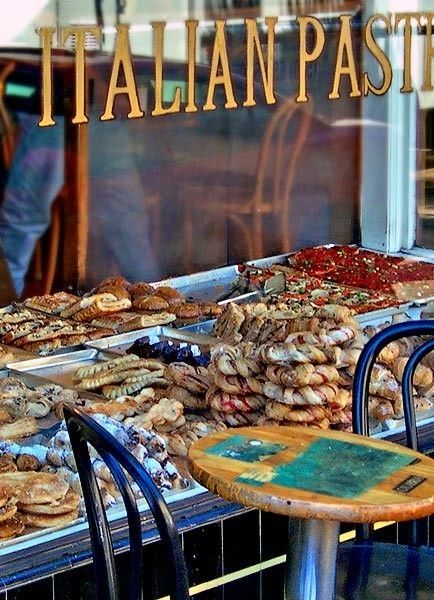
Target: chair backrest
282, 155
84, 430
364, 369
361, 382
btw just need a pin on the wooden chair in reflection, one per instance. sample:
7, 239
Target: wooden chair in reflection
268, 192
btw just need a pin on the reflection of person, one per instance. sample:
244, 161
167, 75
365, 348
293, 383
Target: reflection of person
118, 223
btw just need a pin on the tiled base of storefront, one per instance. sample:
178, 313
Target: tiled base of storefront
232, 559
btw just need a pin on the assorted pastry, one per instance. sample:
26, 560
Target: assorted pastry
32, 499
120, 376
21, 406
40, 486
38, 332
122, 306
6, 356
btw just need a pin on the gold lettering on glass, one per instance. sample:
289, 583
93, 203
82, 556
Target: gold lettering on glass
79, 32
305, 56
429, 54
191, 62
220, 61
46, 35
122, 58
382, 59
267, 74
158, 28
345, 48
407, 18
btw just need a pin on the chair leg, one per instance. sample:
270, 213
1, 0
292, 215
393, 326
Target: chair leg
247, 234
187, 219
53, 251
258, 240
156, 224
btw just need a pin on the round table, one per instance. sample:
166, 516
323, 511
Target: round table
321, 478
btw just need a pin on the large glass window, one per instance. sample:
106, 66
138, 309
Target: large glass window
219, 175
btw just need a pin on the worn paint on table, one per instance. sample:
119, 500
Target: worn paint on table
250, 450
330, 467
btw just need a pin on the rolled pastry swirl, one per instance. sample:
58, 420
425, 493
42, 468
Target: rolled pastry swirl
306, 395
302, 374
231, 403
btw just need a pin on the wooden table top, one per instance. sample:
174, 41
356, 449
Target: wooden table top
315, 474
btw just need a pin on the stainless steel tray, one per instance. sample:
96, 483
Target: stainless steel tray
120, 343
380, 316
205, 285
61, 367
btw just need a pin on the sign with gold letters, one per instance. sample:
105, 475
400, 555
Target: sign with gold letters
311, 43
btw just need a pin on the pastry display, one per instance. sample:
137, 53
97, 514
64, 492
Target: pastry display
404, 278
41, 333
40, 487
22, 406
122, 306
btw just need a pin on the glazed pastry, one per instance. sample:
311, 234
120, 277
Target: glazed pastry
141, 289
383, 383
187, 310
235, 384
118, 291
150, 303
187, 376
172, 296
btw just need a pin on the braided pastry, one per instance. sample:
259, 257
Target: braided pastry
301, 374
290, 353
322, 394
108, 365
230, 403
235, 384
187, 377
239, 419
307, 414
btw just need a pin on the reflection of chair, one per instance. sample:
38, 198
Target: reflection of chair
272, 185
83, 431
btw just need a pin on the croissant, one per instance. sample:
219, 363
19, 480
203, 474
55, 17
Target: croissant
383, 383
423, 376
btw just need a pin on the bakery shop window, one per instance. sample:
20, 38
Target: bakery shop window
211, 167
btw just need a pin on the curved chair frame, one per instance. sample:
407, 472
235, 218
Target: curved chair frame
364, 368
83, 430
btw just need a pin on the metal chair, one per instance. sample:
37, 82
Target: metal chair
83, 430
377, 570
